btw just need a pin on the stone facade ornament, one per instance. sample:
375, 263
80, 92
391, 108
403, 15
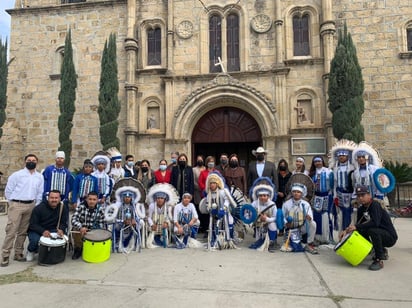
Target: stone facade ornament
185, 29
261, 23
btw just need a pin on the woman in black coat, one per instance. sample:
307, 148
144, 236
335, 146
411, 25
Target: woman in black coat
182, 176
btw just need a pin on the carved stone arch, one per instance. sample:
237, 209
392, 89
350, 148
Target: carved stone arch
224, 91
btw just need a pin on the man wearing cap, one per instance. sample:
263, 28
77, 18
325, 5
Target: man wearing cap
342, 190
57, 177
298, 221
23, 191
374, 223
261, 168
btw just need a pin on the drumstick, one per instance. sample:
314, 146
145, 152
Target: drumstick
287, 240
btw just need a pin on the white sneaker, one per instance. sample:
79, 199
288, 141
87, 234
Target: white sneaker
29, 256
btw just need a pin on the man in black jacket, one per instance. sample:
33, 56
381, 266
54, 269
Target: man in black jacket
374, 223
45, 220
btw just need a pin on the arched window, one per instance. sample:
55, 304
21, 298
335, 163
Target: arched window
154, 46
232, 37
409, 38
215, 43
301, 35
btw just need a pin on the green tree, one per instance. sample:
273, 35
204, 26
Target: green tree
345, 90
67, 98
3, 84
109, 106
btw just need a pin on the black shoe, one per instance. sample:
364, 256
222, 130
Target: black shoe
77, 253
376, 265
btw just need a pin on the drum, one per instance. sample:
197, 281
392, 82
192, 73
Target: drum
353, 248
97, 245
52, 250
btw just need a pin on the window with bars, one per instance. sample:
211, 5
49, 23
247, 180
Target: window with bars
215, 43
301, 35
232, 45
154, 44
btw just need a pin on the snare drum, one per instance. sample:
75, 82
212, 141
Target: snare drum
97, 245
353, 248
52, 250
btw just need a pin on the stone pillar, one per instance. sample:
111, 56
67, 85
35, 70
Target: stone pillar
282, 105
327, 32
170, 35
131, 47
279, 33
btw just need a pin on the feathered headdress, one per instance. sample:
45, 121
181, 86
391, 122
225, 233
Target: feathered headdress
262, 189
131, 191
215, 177
263, 180
304, 180
114, 154
365, 149
164, 190
102, 156
129, 184
341, 147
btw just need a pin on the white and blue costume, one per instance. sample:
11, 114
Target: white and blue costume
182, 216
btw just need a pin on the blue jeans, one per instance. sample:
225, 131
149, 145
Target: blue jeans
34, 239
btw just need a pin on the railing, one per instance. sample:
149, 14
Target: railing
402, 195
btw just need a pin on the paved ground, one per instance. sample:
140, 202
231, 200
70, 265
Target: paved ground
199, 278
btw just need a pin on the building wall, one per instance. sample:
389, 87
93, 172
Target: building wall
39, 31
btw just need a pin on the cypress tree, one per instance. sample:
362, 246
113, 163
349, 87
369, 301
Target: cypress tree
3, 84
109, 106
67, 97
345, 90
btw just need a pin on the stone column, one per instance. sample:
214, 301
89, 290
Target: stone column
279, 33
131, 47
282, 105
170, 35
327, 32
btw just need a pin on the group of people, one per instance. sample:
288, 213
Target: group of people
149, 208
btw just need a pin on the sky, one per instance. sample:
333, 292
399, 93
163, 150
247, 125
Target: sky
5, 18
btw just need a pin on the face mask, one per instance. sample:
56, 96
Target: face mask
163, 167
182, 163
130, 163
282, 168
210, 165
199, 163
260, 157
223, 161
145, 169
174, 160
31, 165
233, 164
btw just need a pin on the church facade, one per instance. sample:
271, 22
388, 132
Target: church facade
206, 76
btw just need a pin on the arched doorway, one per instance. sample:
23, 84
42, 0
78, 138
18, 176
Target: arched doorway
226, 130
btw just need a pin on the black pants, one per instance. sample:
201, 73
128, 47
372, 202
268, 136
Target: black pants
380, 238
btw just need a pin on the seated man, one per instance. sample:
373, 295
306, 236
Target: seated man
186, 221
374, 223
88, 216
298, 221
50, 216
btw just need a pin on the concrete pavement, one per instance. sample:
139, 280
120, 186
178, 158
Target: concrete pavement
199, 278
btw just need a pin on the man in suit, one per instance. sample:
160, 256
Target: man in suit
261, 168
